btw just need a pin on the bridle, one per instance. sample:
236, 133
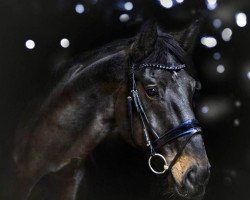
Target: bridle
187, 128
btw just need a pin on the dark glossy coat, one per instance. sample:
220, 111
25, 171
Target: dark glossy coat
89, 104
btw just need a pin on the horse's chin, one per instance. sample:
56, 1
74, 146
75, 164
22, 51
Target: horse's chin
181, 193
177, 192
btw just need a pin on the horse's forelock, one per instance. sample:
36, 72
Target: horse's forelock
164, 46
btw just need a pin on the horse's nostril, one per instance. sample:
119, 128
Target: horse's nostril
190, 179
195, 177
195, 180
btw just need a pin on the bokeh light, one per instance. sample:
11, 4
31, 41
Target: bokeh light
204, 109
237, 103
241, 19
226, 34
79, 8
211, 4
124, 17
220, 69
213, 108
217, 56
128, 5
236, 122
209, 41
248, 75
30, 44
65, 43
166, 3
179, 1
217, 23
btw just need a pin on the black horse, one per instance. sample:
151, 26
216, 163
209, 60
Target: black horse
140, 89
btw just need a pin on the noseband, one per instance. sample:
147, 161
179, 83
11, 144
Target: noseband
189, 127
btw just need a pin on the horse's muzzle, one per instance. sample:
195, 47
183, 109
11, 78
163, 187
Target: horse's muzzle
195, 181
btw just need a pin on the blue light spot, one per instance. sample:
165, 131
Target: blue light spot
79, 8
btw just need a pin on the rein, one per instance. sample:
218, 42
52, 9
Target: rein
190, 127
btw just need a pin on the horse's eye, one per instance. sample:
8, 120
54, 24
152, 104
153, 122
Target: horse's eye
152, 91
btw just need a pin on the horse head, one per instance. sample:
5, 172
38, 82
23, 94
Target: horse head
161, 116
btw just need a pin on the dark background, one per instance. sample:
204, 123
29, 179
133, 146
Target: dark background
118, 172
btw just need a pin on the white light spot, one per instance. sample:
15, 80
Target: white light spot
217, 56
179, 1
124, 17
166, 3
248, 75
205, 109
212, 1
128, 5
226, 34
209, 42
79, 8
211, 4
217, 23
236, 122
64, 42
220, 69
241, 19
30, 44
237, 104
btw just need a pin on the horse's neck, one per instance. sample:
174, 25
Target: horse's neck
87, 99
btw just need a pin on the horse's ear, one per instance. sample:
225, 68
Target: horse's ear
187, 37
144, 42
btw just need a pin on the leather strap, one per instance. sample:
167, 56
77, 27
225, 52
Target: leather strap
186, 128
180, 152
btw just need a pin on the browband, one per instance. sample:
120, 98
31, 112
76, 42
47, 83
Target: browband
168, 66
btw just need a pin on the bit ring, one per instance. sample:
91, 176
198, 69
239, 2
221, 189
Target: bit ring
165, 167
